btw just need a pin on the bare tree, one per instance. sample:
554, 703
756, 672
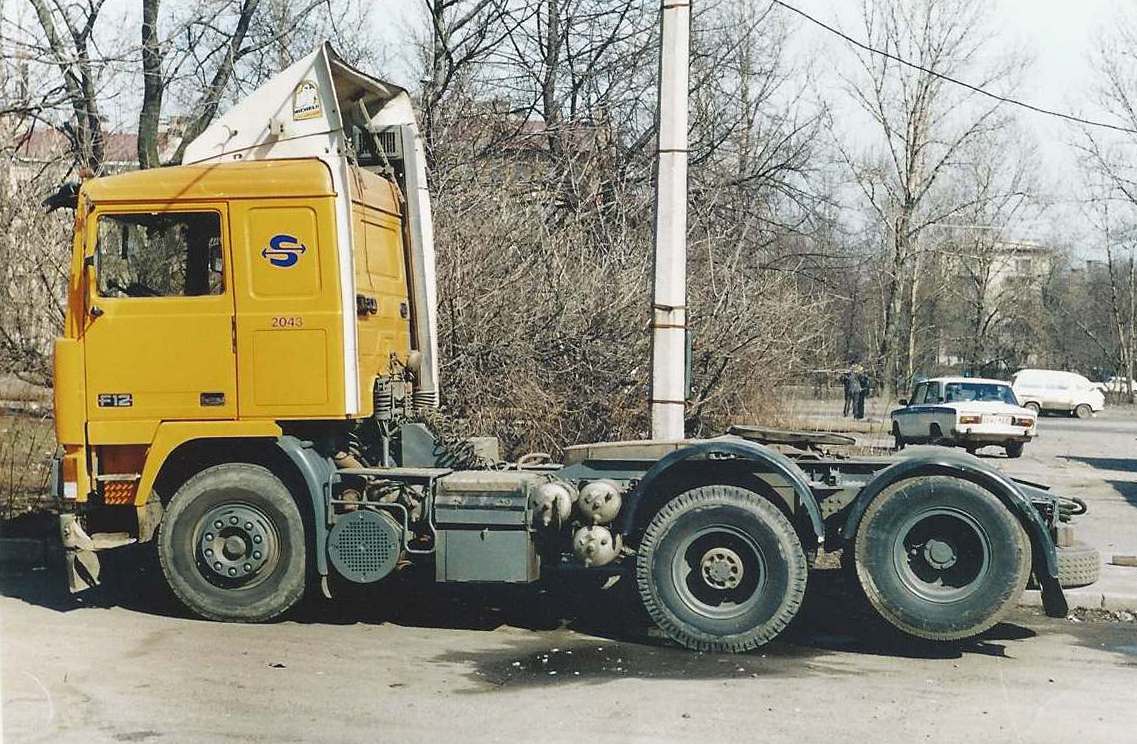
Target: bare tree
1114, 159
923, 122
66, 44
993, 278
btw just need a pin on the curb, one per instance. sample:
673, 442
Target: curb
22, 551
1086, 598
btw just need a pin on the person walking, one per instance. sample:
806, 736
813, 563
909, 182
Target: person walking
863, 385
852, 389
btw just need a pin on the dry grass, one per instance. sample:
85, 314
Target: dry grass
27, 444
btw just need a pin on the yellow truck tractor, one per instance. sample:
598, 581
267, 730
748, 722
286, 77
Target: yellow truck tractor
250, 342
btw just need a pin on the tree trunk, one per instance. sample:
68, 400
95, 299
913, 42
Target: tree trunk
152, 87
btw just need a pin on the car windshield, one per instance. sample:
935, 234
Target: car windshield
956, 392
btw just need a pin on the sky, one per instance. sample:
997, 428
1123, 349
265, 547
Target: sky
1059, 38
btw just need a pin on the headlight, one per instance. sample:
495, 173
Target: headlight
970, 419
1022, 421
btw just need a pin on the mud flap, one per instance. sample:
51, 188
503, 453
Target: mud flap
79, 554
81, 551
1053, 599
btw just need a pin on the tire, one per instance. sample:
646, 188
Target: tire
1078, 565
898, 440
685, 569
236, 582
1034, 407
1014, 449
1083, 411
959, 590
935, 434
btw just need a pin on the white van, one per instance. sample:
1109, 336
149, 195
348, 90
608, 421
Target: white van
1053, 390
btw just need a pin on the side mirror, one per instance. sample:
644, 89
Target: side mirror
903, 401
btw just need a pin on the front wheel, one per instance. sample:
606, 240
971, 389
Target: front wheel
940, 558
1033, 407
1083, 411
231, 544
720, 568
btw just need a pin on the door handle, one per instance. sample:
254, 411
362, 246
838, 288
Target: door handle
95, 311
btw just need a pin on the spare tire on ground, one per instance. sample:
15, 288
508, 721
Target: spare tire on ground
1078, 565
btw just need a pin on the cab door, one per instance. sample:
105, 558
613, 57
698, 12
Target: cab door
158, 338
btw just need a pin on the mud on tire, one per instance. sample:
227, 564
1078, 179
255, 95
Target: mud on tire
720, 568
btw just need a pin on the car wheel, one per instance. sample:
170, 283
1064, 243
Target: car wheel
940, 558
1033, 407
1083, 411
232, 544
897, 438
720, 568
1014, 449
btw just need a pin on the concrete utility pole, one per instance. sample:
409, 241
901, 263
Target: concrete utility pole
669, 304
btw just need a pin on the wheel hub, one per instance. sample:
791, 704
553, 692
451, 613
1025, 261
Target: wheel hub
940, 554
722, 568
236, 542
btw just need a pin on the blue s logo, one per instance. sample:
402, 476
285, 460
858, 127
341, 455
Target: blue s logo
283, 251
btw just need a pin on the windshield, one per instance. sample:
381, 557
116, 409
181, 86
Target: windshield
956, 392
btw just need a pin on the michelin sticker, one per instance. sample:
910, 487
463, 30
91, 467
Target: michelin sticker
306, 101
284, 251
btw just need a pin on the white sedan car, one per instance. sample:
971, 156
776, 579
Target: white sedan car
964, 412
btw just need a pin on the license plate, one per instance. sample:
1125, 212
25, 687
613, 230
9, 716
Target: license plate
1005, 420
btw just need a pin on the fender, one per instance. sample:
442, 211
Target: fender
738, 449
1043, 551
316, 470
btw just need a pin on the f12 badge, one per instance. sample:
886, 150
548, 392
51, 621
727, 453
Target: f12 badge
284, 251
115, 400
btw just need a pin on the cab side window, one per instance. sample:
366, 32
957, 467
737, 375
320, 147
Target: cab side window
933, 394
918, 394
159, 254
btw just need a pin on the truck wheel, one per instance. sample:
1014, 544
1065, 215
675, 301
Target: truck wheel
899, 440
1014, 449
935, 434
720, 568
940, 558
1083, 411
231, 544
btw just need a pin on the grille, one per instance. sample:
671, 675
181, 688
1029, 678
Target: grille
365, 545
391, 143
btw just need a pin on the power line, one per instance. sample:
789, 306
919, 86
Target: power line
969, 86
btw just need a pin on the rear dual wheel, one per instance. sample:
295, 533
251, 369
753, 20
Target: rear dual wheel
720, 568
940, 558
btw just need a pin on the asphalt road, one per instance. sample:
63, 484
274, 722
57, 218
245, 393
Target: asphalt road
412, 664
1095, 459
